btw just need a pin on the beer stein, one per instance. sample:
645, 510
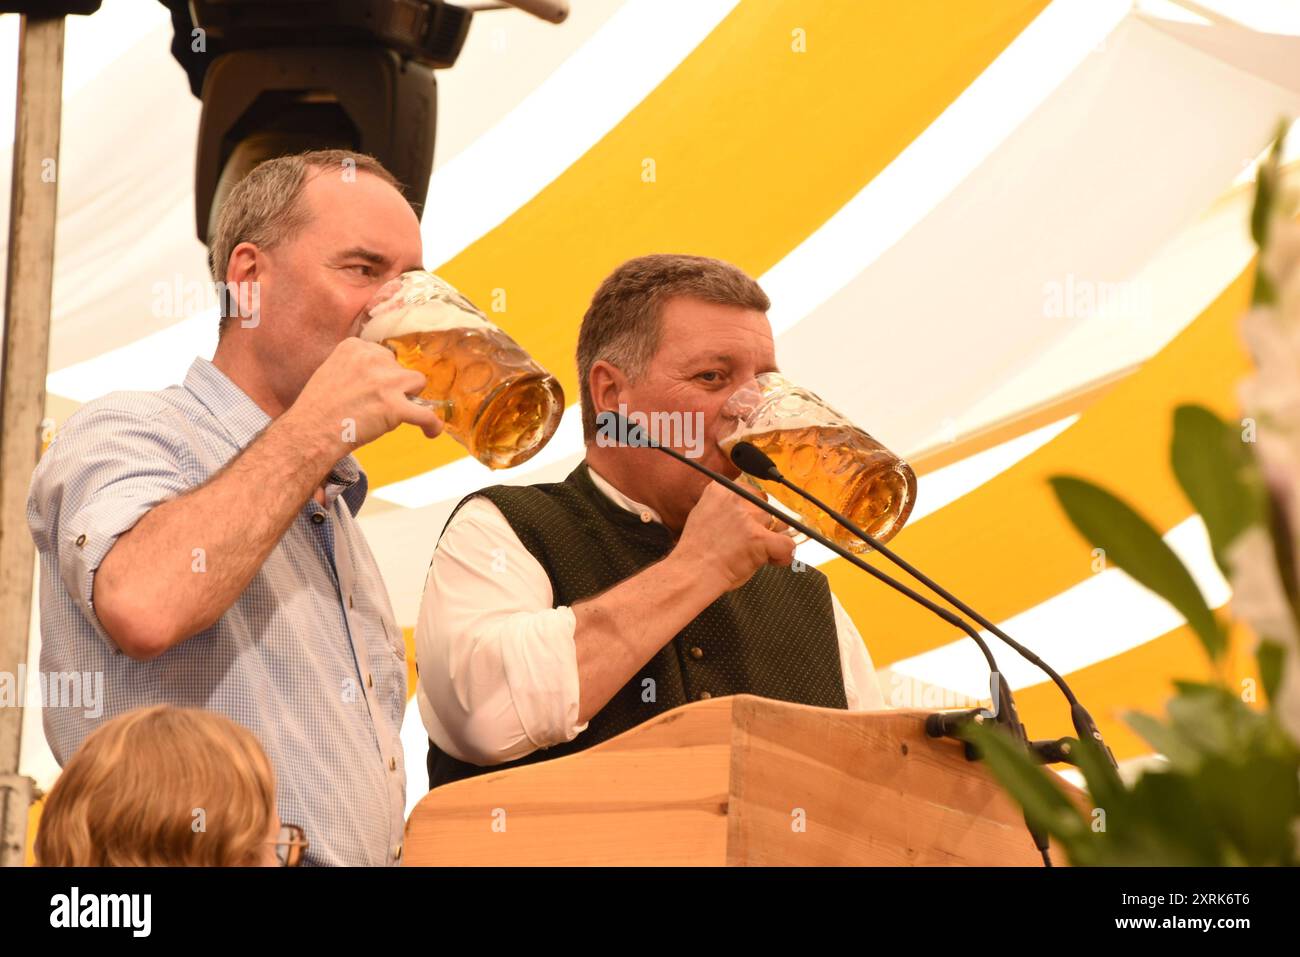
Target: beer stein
492, 397
822, 452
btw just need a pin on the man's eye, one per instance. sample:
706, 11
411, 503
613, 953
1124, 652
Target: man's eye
710, 376
365, 269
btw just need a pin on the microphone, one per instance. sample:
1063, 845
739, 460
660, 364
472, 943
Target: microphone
753, 460
634, 436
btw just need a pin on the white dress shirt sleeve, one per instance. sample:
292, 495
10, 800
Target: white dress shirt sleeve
861, 688
498, 664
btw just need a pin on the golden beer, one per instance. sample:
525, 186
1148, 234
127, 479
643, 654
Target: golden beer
492, 397
823, 453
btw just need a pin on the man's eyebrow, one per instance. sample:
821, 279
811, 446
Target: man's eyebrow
369, 255
375, 258
723, 357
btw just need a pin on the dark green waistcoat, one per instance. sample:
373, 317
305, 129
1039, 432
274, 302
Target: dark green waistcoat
775, 636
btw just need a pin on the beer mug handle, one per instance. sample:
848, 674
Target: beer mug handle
442, 407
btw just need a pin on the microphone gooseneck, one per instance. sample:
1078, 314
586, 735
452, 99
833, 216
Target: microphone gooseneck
753, 460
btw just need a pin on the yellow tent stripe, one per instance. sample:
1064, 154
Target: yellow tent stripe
1007, 546
752, 146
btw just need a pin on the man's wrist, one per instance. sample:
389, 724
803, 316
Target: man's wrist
319, 445
697, 574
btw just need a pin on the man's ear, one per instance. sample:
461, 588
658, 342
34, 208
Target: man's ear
608, 387
243, 277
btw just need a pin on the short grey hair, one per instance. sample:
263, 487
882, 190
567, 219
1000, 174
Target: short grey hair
623, 325
265, 209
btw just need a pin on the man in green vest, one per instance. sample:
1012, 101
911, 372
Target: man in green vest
557, 616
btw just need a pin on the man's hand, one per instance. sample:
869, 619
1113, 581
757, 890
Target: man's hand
728, 539
359, 393
725, 540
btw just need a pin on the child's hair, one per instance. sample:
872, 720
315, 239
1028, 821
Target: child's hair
161, 786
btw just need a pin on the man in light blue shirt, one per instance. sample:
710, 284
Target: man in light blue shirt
199, 545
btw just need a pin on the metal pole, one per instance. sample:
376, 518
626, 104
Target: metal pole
22, 388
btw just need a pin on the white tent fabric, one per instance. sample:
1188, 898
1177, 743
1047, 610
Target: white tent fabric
960, 300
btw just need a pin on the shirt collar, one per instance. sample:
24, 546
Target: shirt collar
243, 419
646, 513
240, 416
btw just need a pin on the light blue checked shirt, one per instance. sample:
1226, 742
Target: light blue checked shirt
309, 658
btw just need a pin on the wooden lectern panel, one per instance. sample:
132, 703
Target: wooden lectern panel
739, 781
655, 795
872, 792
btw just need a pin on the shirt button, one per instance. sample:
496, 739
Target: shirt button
397, 853
697, 653
370, 680
392, 764
349, 601
705, 696
318, 518
647, 517
81, 540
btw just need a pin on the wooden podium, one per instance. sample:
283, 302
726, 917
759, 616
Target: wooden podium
735, 781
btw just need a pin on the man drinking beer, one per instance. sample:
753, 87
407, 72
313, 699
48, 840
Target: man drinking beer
199, 545
557, 616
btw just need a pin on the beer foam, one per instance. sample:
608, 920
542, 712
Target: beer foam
770, 419
425, 303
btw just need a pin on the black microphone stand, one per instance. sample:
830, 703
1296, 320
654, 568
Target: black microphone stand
749, 458
1005, 714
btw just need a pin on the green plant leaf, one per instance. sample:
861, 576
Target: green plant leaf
1165, 739
1044, 803
1270, 655
1284, 552
1252, 799
1266, 180
1104, 784
1262, 293
1168, 825
1193, 688
1261, 214
1133, 545
1217, 723
1219, 476
1265, 191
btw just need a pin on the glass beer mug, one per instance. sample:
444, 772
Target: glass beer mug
492, 397
819, 450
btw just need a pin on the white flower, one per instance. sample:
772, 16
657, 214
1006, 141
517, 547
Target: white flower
1271, 398
1259, 600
